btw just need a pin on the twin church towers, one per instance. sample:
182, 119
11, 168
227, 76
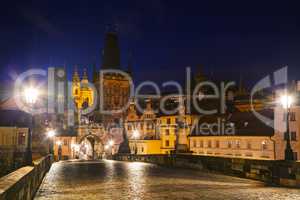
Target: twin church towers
112, 88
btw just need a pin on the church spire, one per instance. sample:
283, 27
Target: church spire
85, 76
75, 77
95, 74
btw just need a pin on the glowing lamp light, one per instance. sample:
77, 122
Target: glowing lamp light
136, 134
31, 95
286, 101
51, 134
111, 143
106, 147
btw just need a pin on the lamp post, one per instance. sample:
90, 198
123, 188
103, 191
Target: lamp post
59, 143
31, 95
286, 101
136, 135
50, 135
111, 144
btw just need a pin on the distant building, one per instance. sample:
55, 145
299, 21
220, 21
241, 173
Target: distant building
158, 133
238, 134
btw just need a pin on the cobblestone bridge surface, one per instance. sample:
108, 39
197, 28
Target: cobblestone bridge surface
134, 180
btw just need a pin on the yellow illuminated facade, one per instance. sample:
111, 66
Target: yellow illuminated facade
83, 95
156, 134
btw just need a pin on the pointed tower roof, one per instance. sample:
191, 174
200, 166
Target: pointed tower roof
85, 76
95, 74
75, 77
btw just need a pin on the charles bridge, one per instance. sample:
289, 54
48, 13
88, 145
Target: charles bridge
154, 177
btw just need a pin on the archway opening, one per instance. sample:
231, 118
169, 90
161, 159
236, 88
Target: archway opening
90, 147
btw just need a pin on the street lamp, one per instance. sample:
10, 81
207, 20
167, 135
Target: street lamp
31, 95
136, 135
59, 143
50, 135
286, 101
111, 143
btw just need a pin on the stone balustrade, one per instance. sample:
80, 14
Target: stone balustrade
24, 182
272, 172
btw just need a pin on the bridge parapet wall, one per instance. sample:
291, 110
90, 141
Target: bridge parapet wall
272, 172
24, 182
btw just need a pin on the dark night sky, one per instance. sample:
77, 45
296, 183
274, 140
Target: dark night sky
228, 39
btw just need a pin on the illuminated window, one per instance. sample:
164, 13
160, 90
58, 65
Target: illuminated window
168, 121
264, 145
167, 143
217, 144
194, 143
201, 144
209, 144
229, 144
21, 138
167, 132
249, 145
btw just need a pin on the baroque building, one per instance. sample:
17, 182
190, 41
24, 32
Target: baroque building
153, 131
81, 91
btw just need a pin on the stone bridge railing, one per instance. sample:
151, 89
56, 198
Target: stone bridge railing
272, 172
24, 182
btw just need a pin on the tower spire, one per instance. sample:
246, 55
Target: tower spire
85, 76
95, 74
75, 77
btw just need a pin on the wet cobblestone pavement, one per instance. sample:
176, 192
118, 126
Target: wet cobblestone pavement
133, 180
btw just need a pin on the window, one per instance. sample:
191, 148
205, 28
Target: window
174, 143
65, 142
167, 132
284, 117
295, 155
129, 127
249, 145
167, 143
217, 144
194, 143
293, 136
21, 139
76, 91
292, 116
168, 121
229, 144
142, 149
201, 144
209, 144
238, 144
264, 145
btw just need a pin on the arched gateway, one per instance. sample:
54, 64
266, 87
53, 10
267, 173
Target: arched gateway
90, 142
